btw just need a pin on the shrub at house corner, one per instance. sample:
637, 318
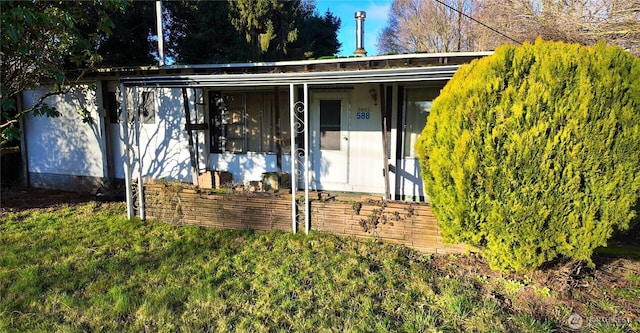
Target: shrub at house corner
533, 153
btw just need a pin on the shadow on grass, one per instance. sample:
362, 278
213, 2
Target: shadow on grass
19, 199
623, 244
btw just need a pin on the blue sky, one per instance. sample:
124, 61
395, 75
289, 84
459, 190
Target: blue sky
377, 12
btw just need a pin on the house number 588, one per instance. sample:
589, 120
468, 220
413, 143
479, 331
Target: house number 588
363, 115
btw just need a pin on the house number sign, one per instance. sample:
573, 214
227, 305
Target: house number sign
363, 114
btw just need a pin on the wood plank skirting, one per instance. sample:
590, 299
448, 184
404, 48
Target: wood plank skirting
409, 224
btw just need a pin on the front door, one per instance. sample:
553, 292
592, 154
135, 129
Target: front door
330, 115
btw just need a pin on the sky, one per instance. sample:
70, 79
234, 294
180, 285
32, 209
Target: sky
377, 12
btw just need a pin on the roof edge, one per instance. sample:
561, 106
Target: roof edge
409, 56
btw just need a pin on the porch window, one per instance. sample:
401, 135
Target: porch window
417, 107
247, 121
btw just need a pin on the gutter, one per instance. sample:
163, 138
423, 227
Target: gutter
411, 74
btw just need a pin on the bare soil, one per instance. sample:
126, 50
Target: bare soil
604, 297
19, 199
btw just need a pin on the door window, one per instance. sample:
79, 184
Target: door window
330, 124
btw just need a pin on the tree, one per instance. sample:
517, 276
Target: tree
46, 41
318, 36
270, 27
214, 31
532, 153
428, 26
581, 21
474, 25
130, 43
201, 32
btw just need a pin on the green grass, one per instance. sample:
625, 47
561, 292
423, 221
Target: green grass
85, 268
620, 251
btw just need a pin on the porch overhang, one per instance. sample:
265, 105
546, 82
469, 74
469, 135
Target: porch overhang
410, 74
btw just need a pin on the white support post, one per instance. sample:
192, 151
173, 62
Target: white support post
293, 151
307, 224
138, 151
395, 127
127, 152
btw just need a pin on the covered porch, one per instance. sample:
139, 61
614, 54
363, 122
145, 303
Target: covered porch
331, 125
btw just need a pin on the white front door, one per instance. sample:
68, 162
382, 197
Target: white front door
330, 141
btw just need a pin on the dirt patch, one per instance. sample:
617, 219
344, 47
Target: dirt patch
576, 297
17, 199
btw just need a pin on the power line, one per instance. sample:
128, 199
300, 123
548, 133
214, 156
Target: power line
474, 20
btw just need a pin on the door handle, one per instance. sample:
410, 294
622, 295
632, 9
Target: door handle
345, 138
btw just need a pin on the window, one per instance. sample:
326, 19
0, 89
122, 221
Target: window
111, 100
330, 124
147, 107
417, 107
243, 122
112, 106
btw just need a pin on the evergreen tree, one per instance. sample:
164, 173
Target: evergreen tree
130, 43
202, 33
318, 36
249, 31
532, 153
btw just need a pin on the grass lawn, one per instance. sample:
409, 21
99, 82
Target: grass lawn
85, 267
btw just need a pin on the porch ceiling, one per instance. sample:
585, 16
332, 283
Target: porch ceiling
411, 74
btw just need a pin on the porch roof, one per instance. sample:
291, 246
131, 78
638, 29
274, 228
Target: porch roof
379, 69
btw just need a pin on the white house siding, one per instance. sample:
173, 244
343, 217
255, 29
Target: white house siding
408, 180
164, 144
248, 167
118, 148
69, 154
66, 153
63, 152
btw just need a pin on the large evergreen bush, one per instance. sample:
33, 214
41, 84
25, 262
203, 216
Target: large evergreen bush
533, 153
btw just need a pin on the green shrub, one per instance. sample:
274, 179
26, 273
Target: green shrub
533, 153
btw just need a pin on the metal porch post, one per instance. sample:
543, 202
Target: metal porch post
307, 223
127, 152
138, 152
299, 125
294, 158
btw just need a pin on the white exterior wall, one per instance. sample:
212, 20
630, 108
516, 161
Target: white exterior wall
64, 145
408, 179
164, 145
66, 153
248, 167
118, 146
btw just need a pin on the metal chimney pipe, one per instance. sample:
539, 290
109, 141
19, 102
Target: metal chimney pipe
360, 51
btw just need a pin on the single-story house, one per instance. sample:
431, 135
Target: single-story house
349, 123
